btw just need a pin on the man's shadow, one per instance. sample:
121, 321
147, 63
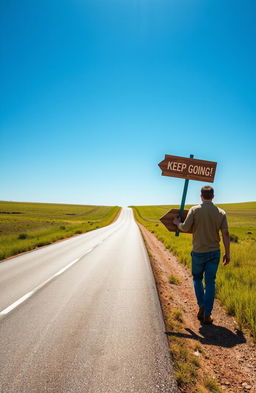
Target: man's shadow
213, 335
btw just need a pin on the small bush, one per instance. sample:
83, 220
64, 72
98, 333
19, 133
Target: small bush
62, 227
195, 362
23, 236
180, 352
212, 385
185, 373
233, 238
173, 279
78, 232
41, 244
176, 314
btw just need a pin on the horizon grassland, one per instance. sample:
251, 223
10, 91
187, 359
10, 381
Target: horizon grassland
25, 225
236, 282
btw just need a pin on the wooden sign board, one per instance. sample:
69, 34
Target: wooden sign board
188, 168
167, 220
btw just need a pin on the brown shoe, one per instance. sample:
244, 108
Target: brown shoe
208, 320
200, 314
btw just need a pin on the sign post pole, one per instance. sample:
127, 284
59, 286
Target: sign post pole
188, 169
182, 205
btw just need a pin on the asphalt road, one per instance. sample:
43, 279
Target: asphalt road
83, 315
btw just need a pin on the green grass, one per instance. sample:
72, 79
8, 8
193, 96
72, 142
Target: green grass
185, 367
236, 283
173, 280
212, 385
25, 226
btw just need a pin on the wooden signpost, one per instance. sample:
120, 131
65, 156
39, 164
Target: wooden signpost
188, 169
168, 218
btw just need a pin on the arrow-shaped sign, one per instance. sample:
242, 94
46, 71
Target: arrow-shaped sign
188, 168
168, 218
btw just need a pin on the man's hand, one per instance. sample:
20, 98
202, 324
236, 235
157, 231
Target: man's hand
176, 220
226, 259
226, 242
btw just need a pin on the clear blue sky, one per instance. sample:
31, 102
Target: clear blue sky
94, 93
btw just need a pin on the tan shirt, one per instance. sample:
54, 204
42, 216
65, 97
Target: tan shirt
206, 220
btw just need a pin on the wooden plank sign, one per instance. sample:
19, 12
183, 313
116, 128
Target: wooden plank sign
167, 219
188, 168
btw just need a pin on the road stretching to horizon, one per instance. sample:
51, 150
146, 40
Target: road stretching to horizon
83, 315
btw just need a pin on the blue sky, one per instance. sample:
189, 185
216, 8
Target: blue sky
94, 93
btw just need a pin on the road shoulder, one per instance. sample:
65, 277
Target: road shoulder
226, 355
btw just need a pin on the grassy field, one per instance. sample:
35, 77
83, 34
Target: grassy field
236, 283
25, 226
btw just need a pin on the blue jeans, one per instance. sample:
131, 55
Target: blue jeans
205, 265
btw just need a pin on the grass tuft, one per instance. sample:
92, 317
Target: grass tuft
174, 280
233, 238
22, 236
212, 385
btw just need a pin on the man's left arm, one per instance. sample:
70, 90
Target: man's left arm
226, 240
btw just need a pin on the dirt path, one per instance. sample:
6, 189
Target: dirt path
229, 354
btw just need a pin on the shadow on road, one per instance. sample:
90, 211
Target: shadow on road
213, 335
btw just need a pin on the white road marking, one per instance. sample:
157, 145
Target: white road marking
16, 304
38, 287
31, 293
61, 271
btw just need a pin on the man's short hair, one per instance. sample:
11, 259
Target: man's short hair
207, 192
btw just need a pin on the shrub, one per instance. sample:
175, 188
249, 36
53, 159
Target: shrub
173, 279
23, 236
43, 243
233, 238
212, 385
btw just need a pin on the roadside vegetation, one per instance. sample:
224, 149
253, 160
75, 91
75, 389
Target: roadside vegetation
187, 359
189, 356
236, 283
25, 226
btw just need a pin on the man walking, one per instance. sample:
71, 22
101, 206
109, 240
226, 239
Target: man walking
206, 220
